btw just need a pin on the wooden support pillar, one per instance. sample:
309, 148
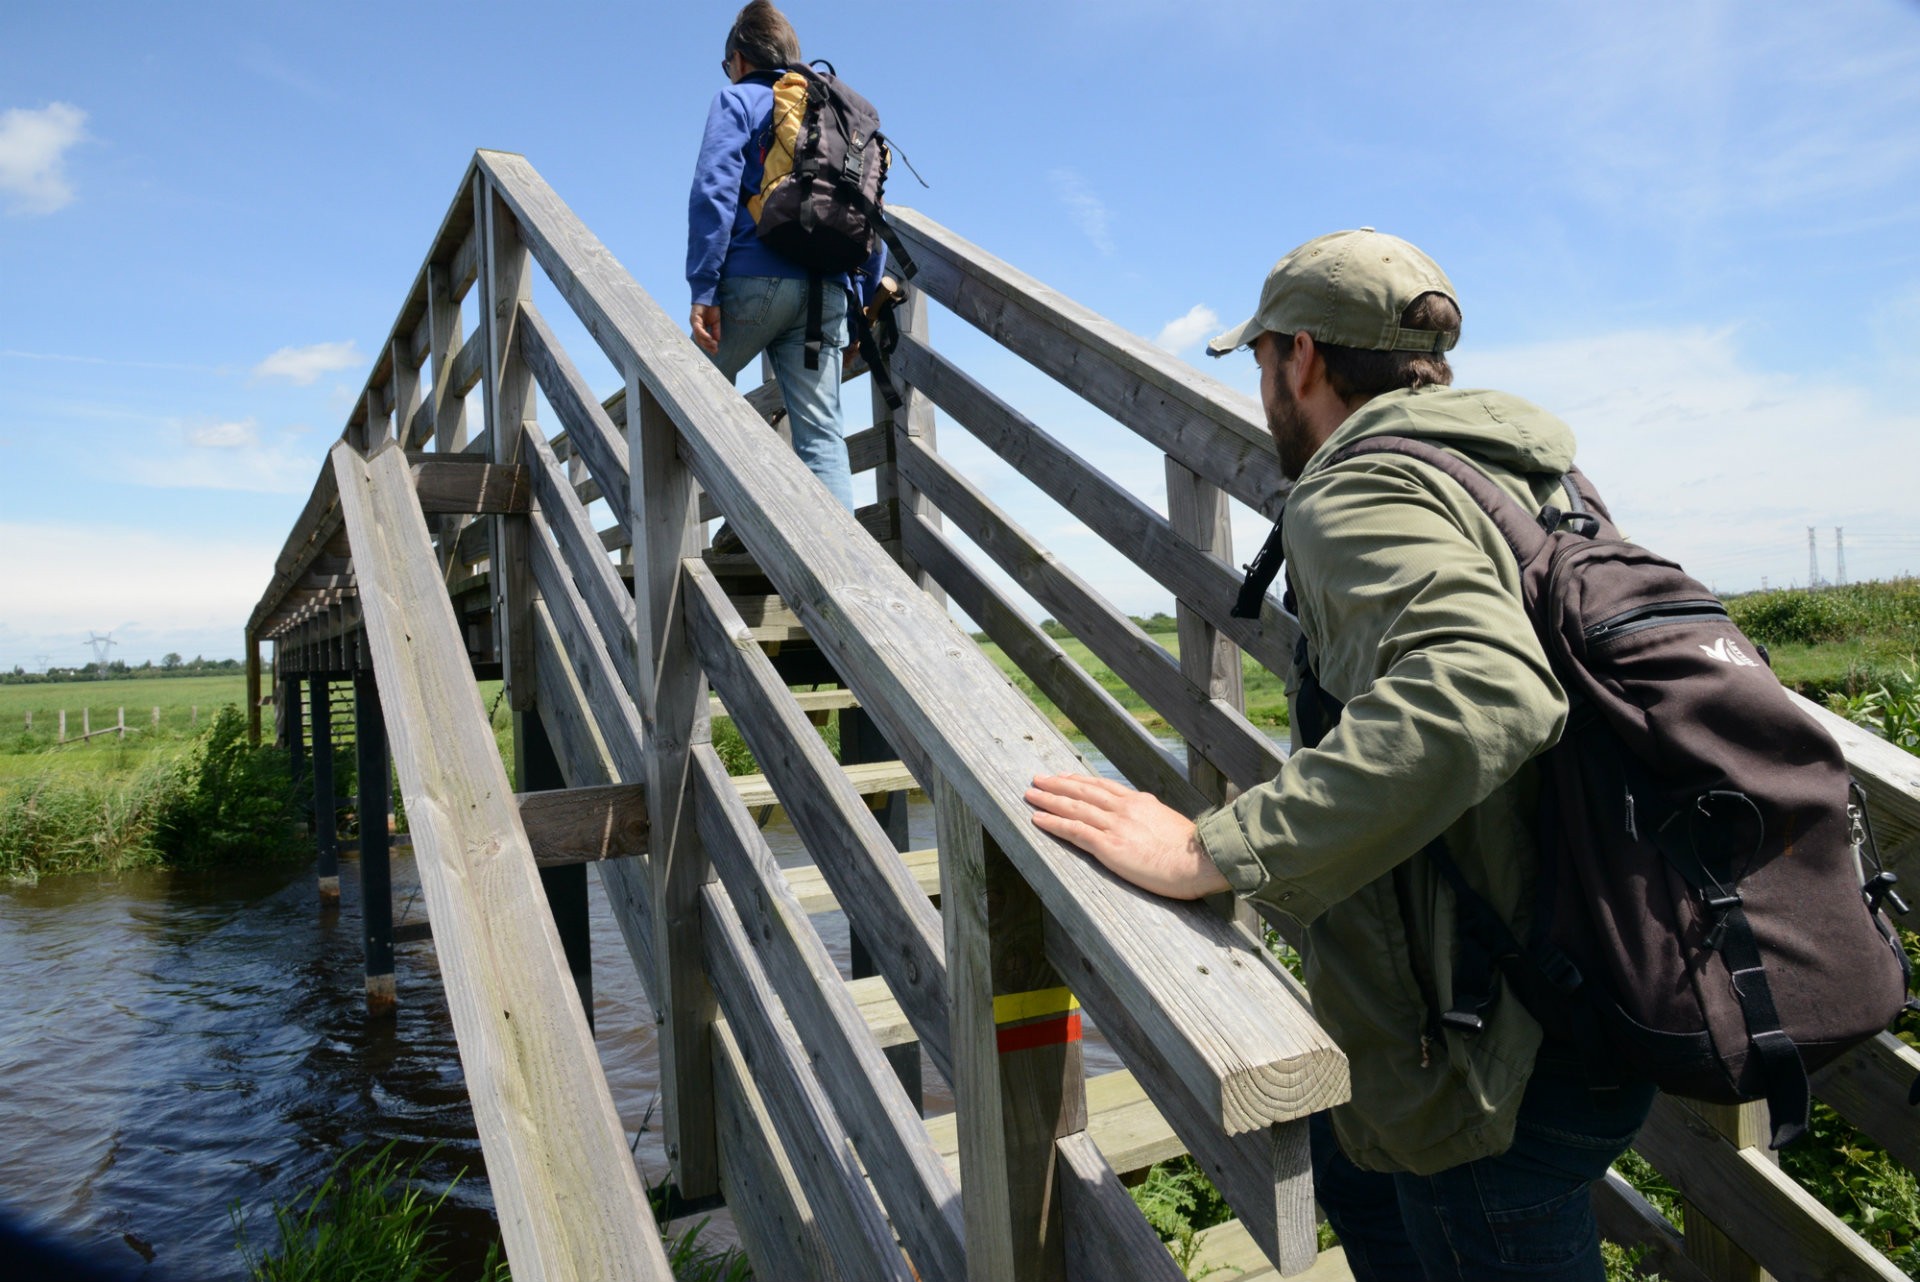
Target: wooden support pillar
296, 731
537, 768
861, 741
326, 833
253, 690
673, 709
505, 282
1018, 1079
913, 419
376, 876
1716, 1254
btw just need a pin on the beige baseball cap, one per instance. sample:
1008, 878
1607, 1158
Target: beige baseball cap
1348, 288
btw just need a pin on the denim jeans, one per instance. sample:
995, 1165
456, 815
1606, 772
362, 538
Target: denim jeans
1527, 1213
769, 314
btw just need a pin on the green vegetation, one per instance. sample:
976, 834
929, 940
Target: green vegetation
32, 754
1836, 640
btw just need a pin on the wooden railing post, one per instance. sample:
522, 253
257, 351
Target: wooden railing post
1706, 1245
326, 835
505, 282
376, 876
913, 420
861, 741
673, 709
1018, 1082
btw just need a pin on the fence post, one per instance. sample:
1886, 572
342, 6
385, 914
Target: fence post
505, 281
1018, 1080
122, 723
156, 718
376, 875
63, 725
861, 741
913, 419
1706, 1245
673, 689
326, 838
86, 723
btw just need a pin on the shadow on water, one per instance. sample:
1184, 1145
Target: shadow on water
175, 1043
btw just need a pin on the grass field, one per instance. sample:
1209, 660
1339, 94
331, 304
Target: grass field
27, 754
1266, 694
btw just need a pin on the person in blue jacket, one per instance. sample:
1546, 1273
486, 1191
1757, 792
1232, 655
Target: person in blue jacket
746, 298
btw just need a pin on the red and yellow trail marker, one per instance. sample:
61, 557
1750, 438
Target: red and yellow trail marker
1043, 1017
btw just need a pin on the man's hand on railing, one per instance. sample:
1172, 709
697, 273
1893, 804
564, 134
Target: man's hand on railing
706, 328
1137, 837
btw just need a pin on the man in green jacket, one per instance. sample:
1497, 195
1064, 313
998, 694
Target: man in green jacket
1464, 1153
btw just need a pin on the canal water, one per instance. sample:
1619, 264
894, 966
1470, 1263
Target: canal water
181, 1050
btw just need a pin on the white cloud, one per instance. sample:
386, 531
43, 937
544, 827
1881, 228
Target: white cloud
33, 153
1088, 210
225, 436
303, 366
62, 580
1182, 332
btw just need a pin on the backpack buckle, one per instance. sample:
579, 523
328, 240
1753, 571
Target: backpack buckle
1721, 906
1463, 1021
1880, 889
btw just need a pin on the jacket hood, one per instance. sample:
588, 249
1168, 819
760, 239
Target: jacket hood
1495, 427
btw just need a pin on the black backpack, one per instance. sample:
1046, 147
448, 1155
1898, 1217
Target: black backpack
821, 199
1709, 911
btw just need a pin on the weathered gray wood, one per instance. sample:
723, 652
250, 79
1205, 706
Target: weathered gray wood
607, 598
1205, 582
673, 709
466, 263
1197, 515
472, 487
764, 1194
371, 773
326, 809
1753, 1202
569, 1197
506, 280
583, 825
913, 420
469, 365
866, 449
881, 898
882, 1122
1107, 1239
1629, 1219
816, 896
1218, 1017
1891, 777
1225, 735
850, 1221
590, 433
1097, 714
1868, 1086
1265, 1175
1713, 1251
406, 390
1214, 430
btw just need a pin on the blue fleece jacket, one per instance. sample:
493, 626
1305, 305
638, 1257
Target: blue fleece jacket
721, 240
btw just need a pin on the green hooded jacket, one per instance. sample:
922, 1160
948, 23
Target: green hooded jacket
1410, 602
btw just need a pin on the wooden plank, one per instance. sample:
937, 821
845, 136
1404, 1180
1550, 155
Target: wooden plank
914, 420
564, 1183
1630, 1220
814, 703
763, 1190
448, 398
824, 803
1107, 1239
406, 389
1868, 1086
1018, 1078
608, 600
810, 886
506, 279
466, 263
673, 709
1710, 1249
850, 1222
1197, 516
1218, 1015
1217, 432
590, 432
1891, 777
866, 450
583, 825
471, 488
882, 1122
1204, 581
1753, 1202
1225, 735
1094, 712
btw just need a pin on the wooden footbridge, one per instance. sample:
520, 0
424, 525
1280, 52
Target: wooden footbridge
434, 552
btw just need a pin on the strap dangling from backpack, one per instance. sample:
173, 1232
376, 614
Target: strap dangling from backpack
1261, 572
815, 311
870, 351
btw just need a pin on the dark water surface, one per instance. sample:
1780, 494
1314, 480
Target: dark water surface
174, 1044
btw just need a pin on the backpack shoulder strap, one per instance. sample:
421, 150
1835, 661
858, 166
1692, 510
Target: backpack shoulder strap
1519, 527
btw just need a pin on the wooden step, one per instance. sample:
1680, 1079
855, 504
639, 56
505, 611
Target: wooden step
1123, 1123
871, 778
815, 703
817, 897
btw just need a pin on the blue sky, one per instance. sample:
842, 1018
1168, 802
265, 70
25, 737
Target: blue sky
1693, 230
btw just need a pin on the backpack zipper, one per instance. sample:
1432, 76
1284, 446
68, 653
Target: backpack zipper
1653, 616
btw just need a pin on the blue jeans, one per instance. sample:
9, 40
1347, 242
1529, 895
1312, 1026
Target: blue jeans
769, 314
1527, 1213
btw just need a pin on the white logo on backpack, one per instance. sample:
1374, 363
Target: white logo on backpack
1727, 652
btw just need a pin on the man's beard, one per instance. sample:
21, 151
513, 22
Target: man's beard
1290, 431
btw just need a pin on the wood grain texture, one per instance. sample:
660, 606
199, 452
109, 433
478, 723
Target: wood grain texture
849, 1219
921, 1198
1753, 1202
607, 598
915, 420
1204, 582
828, 809
1217, 432
506, 279
1222, 731
816, 896
583, 825
1630, 1220
1197, 515
1107, 1239
470, 487
569, 1197
1868, 1086
591, 434
1219, 1015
